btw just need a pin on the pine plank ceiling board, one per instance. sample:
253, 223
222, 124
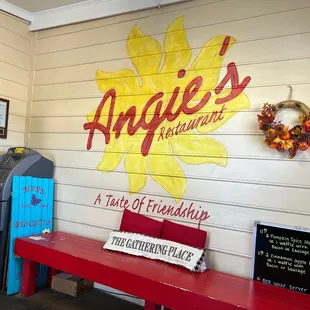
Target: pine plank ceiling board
34, 6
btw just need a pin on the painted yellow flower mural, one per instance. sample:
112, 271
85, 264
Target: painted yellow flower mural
162, 112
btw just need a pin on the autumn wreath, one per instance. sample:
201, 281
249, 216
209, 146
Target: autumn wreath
279, 136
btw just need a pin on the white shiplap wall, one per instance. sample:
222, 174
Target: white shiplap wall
258, 184
16, 55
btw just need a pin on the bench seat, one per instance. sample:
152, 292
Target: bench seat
154, 281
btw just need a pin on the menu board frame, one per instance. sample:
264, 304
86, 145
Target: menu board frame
4, 117
273, 225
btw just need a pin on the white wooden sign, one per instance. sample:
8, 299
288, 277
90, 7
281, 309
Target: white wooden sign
168, 251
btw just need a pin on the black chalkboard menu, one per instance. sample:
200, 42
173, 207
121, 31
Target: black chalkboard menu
281, 256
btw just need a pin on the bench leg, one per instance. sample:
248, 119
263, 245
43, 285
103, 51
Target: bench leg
29, 277
51, 273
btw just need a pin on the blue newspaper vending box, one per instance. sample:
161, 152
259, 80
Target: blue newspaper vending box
18, 161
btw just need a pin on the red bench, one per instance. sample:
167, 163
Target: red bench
154, 281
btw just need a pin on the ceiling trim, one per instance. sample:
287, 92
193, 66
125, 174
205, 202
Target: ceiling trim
90, 10
15, 10
83, 11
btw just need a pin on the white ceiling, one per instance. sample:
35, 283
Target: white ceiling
41, 5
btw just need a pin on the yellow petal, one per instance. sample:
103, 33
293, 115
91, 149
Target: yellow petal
176, 48
215, 115
123, 81
194, 149
113, 154
209, 61
144, 51
90, 117
135, 165
166, 171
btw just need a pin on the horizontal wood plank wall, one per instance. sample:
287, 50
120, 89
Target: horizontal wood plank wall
15, 57
258, 183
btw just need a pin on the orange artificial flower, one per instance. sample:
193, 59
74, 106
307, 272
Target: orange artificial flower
306, 126
275, 145
288, 144
270, 134
284, 134
285, 144
303, 146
